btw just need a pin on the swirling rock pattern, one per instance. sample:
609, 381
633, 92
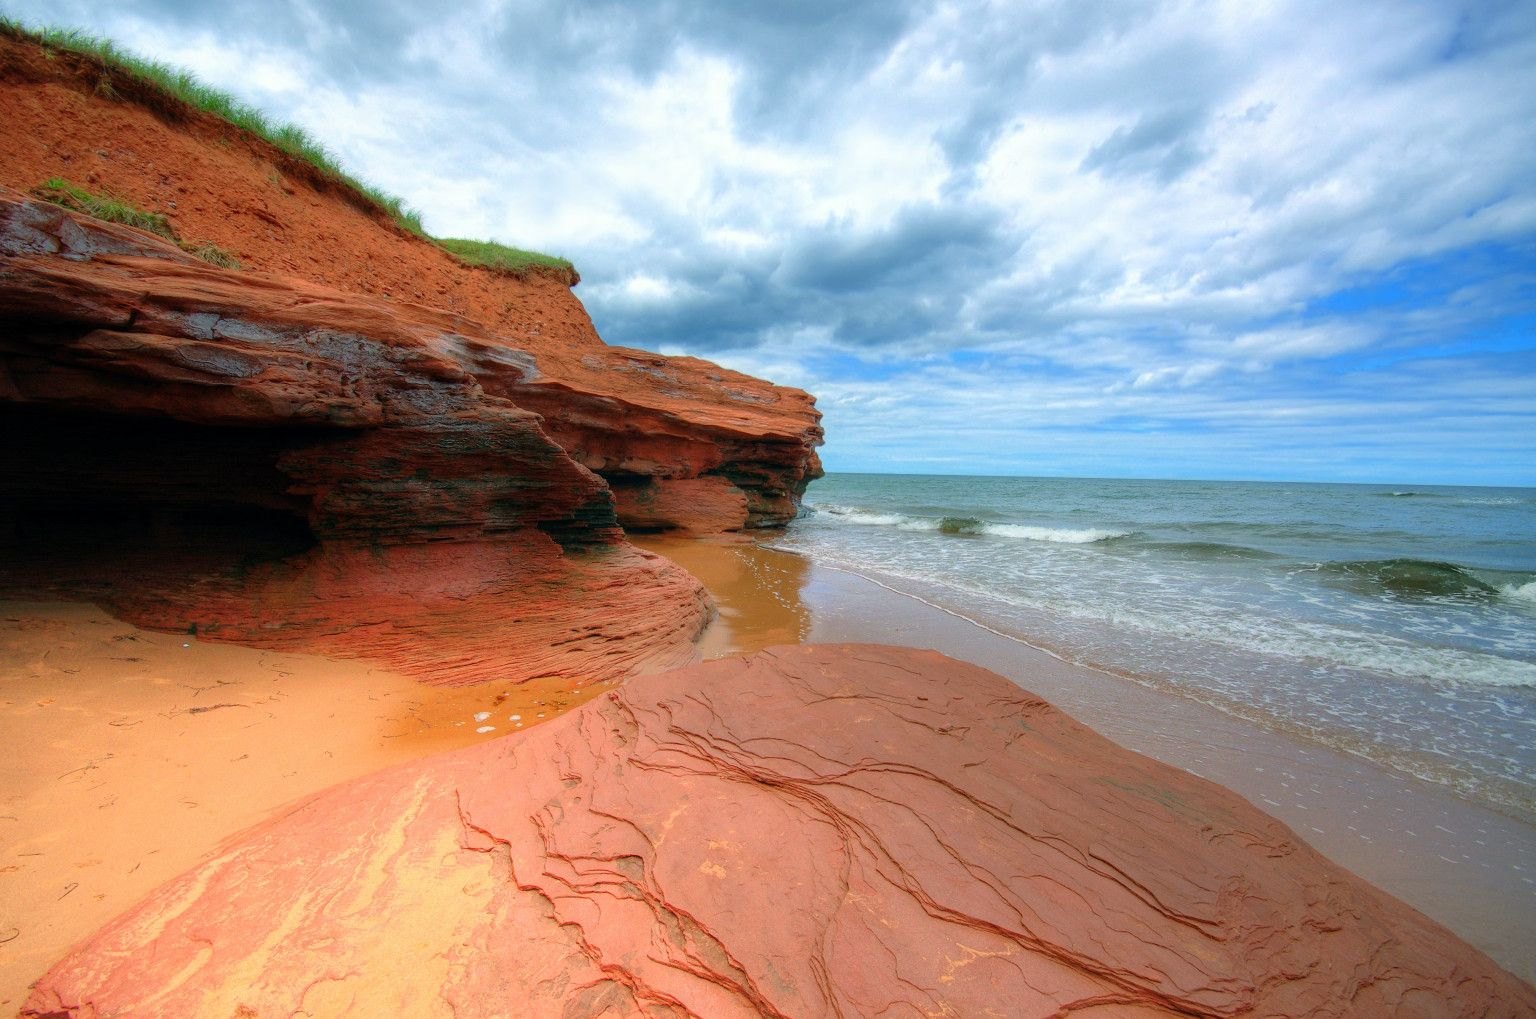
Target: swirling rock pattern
812, 831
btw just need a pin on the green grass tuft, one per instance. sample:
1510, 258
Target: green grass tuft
491, 255
185, 86
61, 192
211, 253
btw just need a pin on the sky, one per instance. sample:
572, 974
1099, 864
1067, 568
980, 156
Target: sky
1263, 239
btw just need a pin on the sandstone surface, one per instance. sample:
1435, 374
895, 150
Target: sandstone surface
813, 831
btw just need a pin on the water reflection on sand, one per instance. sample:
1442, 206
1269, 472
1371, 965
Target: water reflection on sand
758, 591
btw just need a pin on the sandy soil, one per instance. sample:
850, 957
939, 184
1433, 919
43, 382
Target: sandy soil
218, 186
131, 755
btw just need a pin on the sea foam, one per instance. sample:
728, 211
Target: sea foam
1525, 593
968, 526
1390, 622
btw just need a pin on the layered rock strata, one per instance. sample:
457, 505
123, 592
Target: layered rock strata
274, 462
814, 831
641, 421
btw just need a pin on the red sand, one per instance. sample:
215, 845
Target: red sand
134, 754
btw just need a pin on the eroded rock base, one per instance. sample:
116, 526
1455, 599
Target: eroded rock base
812, 831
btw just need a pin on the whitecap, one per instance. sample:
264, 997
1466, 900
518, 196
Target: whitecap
855, 515
1520, 592
1064, 535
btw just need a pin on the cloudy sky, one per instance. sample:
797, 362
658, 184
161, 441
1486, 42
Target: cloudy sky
1258, 239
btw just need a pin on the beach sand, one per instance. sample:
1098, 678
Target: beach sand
1470, 868
132, 755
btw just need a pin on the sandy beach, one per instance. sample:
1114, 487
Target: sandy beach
143, 752
133, 755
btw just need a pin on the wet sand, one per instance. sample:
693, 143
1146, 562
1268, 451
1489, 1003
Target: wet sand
1468, 867
131, 755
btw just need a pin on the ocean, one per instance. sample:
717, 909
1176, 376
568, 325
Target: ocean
1395, 623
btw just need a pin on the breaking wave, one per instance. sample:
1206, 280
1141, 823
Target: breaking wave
968, 526
1524, 593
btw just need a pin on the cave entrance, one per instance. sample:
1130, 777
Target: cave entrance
93, 506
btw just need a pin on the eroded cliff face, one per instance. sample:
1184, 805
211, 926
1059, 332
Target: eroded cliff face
279, 463
355, 444
641, 421
815, 831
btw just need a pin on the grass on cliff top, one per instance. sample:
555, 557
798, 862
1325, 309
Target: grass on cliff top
515, 261
61, 192
290, 138
184, 85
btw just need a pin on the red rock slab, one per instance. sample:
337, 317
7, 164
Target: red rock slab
706, 505
108, 318
813, 831
453, 540
512, 609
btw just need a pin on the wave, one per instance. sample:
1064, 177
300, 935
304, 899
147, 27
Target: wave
1065, 535
1411, 495
1209, 550
1233, 644
1524, 593
960, 525
858, 516
969, 526
1406, 578
1292, 531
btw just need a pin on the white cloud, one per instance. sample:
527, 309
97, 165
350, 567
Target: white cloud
1128, 212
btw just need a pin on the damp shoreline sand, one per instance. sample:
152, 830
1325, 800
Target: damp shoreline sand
145, 751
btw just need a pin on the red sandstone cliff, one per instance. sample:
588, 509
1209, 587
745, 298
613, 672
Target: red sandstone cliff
281, 464
815, 831
355, 443
638, 419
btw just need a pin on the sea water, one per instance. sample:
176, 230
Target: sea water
1394, 623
